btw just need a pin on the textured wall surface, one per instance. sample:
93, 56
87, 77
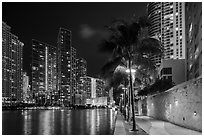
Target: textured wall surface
181, 105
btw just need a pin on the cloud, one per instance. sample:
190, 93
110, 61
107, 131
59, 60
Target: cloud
88, 32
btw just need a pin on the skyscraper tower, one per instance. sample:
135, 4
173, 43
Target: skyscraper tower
168, 24
66, 67
81, 68
81, 71
73, 81
44, 72
12, 51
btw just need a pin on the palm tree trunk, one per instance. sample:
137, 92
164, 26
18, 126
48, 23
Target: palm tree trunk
124, 108
132, 97
129, 104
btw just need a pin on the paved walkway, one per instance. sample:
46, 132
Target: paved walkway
119, 126
147, 125
157, 127
123, 127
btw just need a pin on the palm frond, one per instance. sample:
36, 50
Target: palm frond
124, 33
144, 21
137, 81
150, 46
109, 68
119, 21
120, 77
143, 61
107, 46
134, 29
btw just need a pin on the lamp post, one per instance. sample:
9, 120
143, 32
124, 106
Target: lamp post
125, 94
131, 72
124, 100
120, 103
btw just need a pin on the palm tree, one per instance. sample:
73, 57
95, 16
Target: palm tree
119, 81
129, 44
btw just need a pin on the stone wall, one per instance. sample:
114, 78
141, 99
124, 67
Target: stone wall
181, 105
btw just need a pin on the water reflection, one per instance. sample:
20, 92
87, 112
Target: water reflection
45, 124
93, 126
27, 122
56, 122
97, 119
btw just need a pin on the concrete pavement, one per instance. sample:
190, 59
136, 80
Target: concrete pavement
150, 126
157, 127
123, 127
119, 126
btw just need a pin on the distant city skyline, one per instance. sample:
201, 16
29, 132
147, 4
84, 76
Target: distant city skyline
86, 21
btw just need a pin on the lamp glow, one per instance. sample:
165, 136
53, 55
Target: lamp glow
194, 113
132, 70
176, 102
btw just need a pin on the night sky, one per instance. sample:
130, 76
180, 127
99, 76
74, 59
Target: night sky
41, 21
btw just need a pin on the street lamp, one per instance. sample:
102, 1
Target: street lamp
124, 101
131, 72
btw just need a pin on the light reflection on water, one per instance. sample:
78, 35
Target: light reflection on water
56, 122
93, 126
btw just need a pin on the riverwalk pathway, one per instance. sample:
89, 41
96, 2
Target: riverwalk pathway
157, 127
123, 127
149, 126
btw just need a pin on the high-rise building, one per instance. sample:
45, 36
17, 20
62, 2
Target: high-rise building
173, 70
26, 88
81, 71
12, 51
66, 67
100, 88
168, 25
44, 73
193, 21
93, 87
73, 81
85, 88
81, 68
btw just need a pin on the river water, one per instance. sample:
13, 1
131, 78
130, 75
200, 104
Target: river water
58, 122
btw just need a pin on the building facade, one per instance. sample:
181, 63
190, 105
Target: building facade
85, 89
66, 67
81, 68
81, 71
73, 80
100, 88
193, 21
168, 25
92, 89
173, 70
44, 73
12, 51
27, 95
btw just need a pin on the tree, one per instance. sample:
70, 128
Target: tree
119, 81
129, 44
160, 85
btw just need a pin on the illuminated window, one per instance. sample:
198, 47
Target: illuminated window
190, 32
